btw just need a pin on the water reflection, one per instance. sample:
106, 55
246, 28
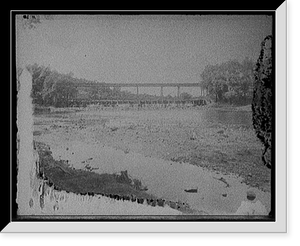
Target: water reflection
243, 118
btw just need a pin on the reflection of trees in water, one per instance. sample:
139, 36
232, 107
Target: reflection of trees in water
229, 117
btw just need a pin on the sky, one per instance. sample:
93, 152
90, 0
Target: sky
140, 48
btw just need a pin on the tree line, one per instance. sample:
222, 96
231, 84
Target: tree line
51, 88
230, 82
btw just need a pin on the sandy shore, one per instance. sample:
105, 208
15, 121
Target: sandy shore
193, 137
178, 135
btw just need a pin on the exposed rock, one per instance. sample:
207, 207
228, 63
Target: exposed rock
262, 99
172, 204
191, 190
223, 180
160, 202
220, 132
251, 195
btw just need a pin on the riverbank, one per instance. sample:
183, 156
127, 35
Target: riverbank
229, 107
159, 146
222, 141
78, 181
60, 176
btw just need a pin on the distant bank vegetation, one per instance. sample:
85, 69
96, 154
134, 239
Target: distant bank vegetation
230, 82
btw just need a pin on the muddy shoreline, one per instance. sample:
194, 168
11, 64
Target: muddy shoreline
225, 148
60, 176
63, 177
195, 137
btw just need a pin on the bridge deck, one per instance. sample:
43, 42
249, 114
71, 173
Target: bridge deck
138, 84
139, 100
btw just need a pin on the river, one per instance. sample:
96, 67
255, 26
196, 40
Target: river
214, 193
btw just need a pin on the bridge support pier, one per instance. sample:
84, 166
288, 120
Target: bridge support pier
137, 95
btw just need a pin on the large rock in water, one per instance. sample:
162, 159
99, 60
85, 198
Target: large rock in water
263, 98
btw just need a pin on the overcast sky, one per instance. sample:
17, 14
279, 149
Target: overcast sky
123, 49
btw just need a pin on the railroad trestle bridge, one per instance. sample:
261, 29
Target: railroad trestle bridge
162, 101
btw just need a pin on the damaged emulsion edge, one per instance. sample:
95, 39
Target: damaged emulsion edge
40, 199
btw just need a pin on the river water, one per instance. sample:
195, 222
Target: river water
216, 193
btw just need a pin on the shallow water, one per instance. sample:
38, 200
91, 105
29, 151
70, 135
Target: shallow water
242, 118
216, 193
164, 179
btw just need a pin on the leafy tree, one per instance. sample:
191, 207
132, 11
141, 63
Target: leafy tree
64, 92
93, 93
50, 88
39, 74
105, 93
230, 95
185, 96
230, 81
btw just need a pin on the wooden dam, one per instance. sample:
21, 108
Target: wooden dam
160, 101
